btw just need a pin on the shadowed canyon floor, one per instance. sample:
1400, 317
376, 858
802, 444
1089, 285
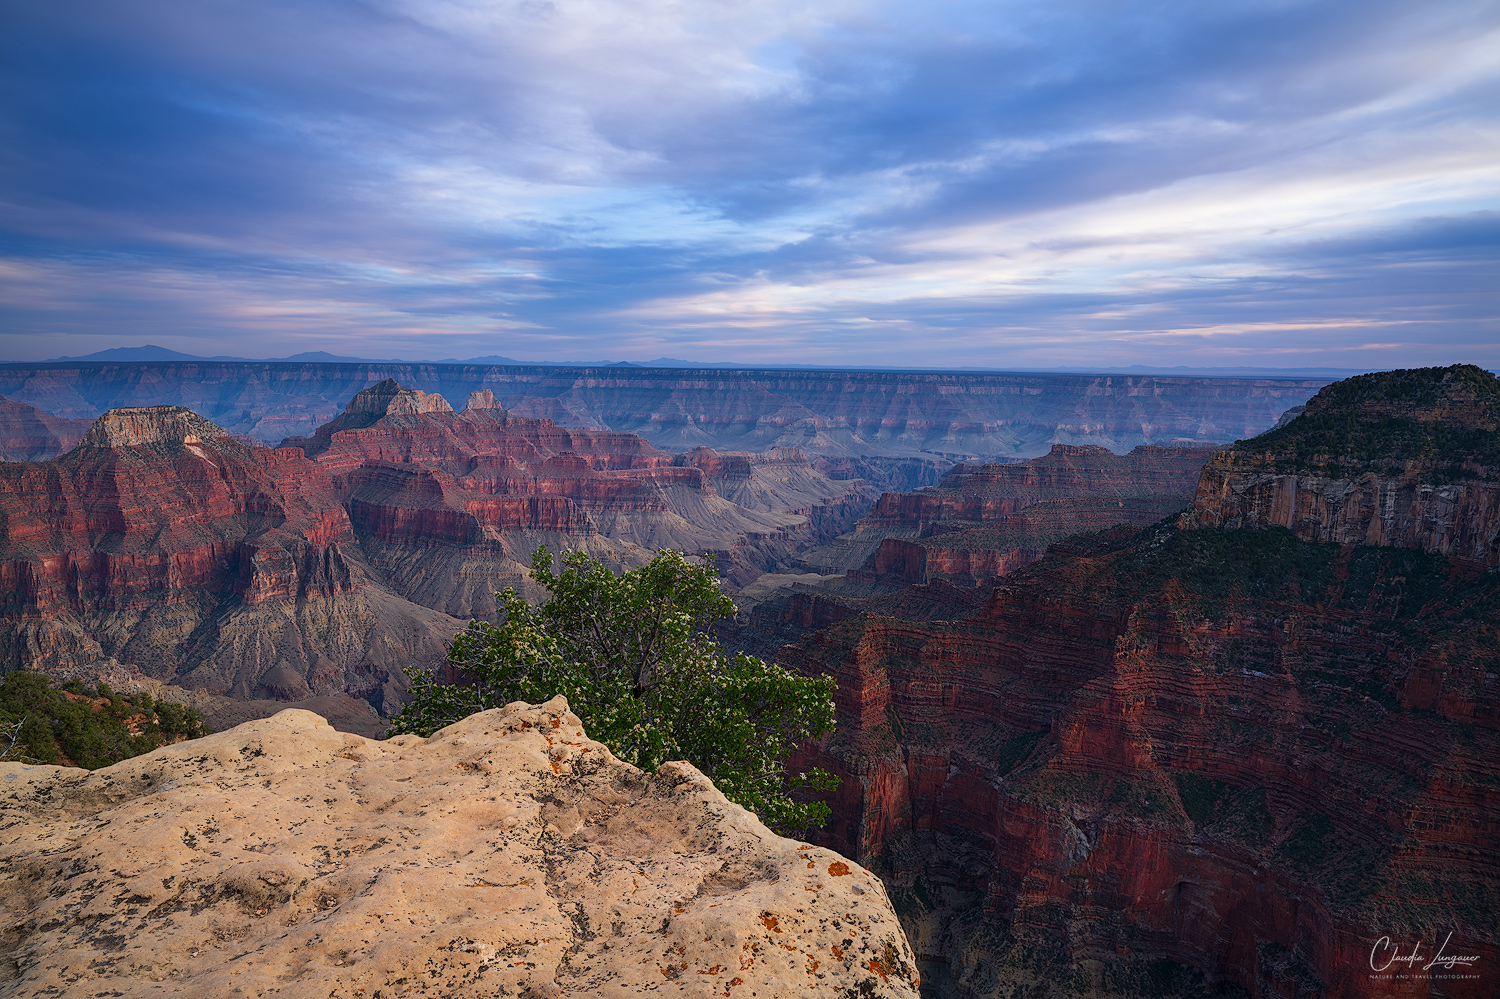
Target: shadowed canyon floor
508, 855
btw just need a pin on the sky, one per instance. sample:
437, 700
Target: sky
1003, 184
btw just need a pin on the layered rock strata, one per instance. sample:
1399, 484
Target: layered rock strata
509, 854
1197, 758
28, 434
451, 506
974, 495
163, 544
163, 549
981, 522
836, 414
1248, 756
1372, 461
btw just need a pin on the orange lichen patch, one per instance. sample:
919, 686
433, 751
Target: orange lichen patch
879, 969
770, 922
838, 952
715, 970
812, 964
838, 869
812, 887
804, 846
811, 865
555, 723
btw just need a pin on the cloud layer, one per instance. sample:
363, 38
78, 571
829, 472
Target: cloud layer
950, 183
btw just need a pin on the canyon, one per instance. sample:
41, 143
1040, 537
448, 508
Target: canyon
160, 547
163, 550
1123, 711
28, 434
1219, 753
508, 855
981, 522
893, 429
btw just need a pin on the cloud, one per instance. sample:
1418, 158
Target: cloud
947, 183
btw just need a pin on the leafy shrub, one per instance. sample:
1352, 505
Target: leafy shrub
632, 654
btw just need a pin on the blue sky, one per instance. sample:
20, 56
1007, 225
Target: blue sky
999, 184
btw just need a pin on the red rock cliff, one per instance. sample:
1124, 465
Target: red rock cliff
1265, 761
162, 543
28, 434
1138, 756
984, 521
982, 493
451, 505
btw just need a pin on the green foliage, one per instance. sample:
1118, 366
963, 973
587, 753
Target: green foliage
1439, 417
92, 728
632, 654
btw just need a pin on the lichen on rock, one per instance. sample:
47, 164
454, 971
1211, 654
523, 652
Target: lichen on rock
507, 855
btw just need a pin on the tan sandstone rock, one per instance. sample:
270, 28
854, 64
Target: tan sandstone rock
508, 855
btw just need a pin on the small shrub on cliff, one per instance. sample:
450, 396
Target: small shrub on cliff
632, 655
89, 727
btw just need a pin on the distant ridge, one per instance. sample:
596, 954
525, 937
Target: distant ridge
151, 352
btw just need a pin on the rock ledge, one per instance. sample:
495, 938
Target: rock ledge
508, 855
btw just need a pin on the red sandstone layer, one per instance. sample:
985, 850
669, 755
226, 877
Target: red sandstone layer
162, 543
28, 434
1111, 764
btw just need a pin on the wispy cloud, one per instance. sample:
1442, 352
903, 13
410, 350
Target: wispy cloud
945, 183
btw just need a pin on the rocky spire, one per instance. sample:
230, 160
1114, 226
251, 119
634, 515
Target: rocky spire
483, 399
389, 398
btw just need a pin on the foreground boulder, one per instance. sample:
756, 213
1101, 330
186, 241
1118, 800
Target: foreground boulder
508, 855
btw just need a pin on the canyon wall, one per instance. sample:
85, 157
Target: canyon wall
1368, 464
981, 522
883, 418
162, 549
1219, 749
1198, 757
28, 434
451, 506
162, 544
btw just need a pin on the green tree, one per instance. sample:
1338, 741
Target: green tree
43, 723
632, 655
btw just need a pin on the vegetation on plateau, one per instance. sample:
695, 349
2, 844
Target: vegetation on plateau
89, 727
632, 654
1440, 419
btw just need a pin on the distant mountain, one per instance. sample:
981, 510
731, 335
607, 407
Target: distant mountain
1244, 371
149, 352
323, 357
